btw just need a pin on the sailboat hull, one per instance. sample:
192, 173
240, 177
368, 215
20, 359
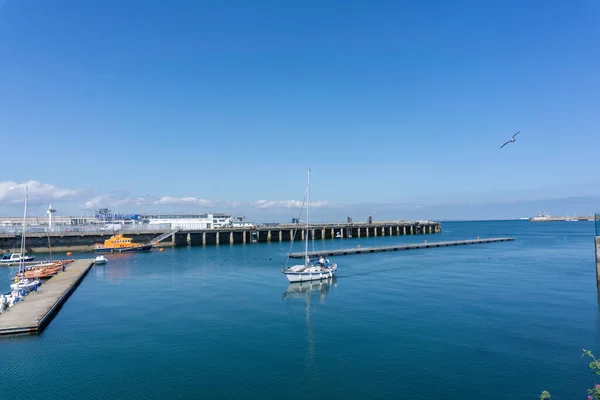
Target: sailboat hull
25, 284
305, 276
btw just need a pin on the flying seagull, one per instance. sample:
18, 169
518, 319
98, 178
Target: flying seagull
511, 140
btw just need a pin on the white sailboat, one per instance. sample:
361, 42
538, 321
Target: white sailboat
572, 219
309, 271
24, 283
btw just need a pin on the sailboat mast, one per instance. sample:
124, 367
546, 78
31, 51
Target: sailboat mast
307, 219
21, 265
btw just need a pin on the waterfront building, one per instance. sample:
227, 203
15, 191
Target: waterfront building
196, 221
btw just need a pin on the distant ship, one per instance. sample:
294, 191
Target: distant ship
540, 217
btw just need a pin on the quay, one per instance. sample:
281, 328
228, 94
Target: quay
84, 240
34, 311
597, 248
412, 246
548, 218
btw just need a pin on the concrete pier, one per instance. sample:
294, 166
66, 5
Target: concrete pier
597, 245
33, 313
412, 246
84, 241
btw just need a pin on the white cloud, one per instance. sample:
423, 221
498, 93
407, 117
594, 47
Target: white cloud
13, 193
117, 201
123, 201
96, 202
264, 204
184, 200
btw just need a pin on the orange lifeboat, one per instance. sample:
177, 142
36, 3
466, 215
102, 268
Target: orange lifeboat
120, 244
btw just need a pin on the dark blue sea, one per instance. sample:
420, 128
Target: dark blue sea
494, 321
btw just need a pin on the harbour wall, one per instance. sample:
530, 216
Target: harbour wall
84, 241
559, 219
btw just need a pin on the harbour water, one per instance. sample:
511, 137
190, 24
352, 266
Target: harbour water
502, 321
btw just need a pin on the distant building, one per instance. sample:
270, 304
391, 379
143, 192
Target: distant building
105, 219
194, 221
43, 221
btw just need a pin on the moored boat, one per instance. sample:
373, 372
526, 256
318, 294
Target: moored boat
121, 244
26, 284
42, 271
45, 273
9, 299
100, 260
15, 258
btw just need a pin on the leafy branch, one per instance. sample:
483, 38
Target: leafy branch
594, 365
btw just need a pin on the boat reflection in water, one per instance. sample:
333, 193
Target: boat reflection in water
305, 289
117, 269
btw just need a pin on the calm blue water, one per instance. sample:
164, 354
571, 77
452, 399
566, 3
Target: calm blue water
501, 321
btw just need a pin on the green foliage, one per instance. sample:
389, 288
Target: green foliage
545, 395
594, 365
594, 393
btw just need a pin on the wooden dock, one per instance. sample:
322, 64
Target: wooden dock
412, 246
33, 313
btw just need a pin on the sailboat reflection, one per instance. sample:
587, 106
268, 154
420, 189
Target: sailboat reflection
304, 289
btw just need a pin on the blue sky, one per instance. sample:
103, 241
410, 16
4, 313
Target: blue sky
144, 104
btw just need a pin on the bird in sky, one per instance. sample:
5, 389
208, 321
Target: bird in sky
511, 140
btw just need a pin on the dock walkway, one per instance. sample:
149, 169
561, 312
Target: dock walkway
31, 314
411, 246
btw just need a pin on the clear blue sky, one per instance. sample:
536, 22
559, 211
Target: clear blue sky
387, 101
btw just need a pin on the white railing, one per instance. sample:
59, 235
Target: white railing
16, 230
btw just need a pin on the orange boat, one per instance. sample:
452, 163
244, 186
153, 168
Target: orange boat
120, 244
43, 271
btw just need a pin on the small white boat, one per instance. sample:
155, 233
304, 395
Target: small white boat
26, 284
4, 302
100, 260
9, 299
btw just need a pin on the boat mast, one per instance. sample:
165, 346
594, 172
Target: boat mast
307, 219
21, 259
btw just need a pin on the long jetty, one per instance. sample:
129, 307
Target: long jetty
412, 246
38, 242
35, 311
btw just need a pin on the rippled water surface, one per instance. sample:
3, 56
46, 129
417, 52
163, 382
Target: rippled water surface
501, 321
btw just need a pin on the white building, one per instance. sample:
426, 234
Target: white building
195, 221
